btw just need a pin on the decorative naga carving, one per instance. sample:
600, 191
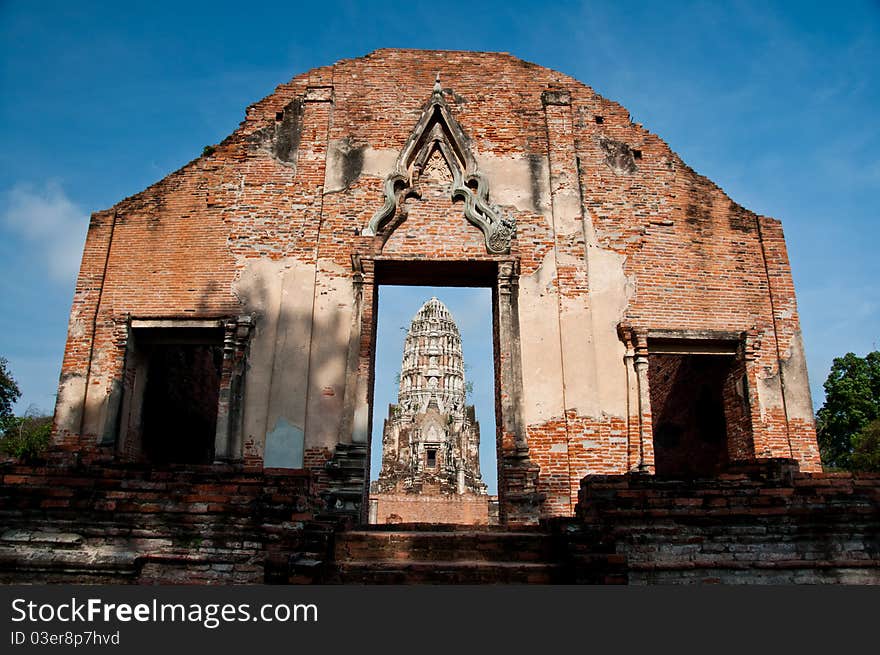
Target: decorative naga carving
438, 131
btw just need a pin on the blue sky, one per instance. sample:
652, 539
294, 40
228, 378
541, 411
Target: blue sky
775, 102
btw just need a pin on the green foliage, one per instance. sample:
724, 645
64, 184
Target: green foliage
9, 391
866, 448
207, 151
852, 401
469, 388
25, 437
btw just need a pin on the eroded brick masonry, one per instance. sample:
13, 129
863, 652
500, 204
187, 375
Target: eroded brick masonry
253, 273
653, 416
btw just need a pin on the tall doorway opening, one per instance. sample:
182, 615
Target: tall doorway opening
434, 433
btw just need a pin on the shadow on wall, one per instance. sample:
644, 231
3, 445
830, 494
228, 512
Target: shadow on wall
301, 364
243, 377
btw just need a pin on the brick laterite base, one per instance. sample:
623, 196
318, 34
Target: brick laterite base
121, 524
762, 523
465, 509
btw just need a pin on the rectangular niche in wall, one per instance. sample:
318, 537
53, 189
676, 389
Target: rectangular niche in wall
699, 406
172, 393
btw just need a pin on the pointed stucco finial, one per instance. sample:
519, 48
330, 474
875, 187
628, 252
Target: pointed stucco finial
437, 88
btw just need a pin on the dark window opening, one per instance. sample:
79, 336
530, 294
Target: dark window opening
431, 458
599, 119
172, 392
691, 410
637, 154
279, 116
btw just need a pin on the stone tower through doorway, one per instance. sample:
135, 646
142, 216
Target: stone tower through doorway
431, 438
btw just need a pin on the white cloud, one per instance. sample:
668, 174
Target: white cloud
49, 224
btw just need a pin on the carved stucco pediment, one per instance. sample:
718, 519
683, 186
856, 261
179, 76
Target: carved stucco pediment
438, 133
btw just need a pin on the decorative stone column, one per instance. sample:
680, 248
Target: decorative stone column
519, 500
646, 433
510, 357
634, 454
227, 439
638, 397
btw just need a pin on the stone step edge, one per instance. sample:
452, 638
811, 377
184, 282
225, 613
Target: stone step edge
340, 536
440, 566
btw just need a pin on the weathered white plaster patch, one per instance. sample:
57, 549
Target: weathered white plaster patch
539, 342
69, 406
610, 294
798, 401
284, 446
332, 316
517, 182
371, 162
280, 294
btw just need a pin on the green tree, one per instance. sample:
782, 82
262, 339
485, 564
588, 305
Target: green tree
26, 437
852, 401
23, 437
9, 391
866, 448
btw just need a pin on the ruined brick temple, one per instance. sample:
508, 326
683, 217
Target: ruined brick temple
431, 439
216, 394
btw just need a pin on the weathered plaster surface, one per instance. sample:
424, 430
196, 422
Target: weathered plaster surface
69, 404
610, 293
334, 303
539, 335
342, 172
284, 446
519, 182
280, 294
798, 403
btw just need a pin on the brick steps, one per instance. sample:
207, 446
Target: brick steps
426, 555
442, 572
433, 546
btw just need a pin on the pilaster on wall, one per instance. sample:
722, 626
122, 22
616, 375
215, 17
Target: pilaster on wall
513, 435
762, 445
582, 422
789, 379
288, 432
73, 386
519, 498
228, 440
349, 470
355, 424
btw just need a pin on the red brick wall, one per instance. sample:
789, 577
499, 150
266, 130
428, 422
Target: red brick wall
697, 260
126, 523
761, 523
